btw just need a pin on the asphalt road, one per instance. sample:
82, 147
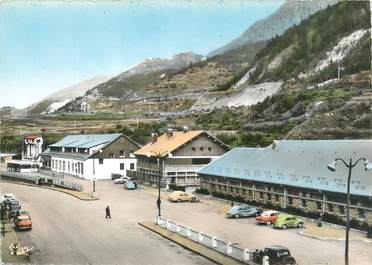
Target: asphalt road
70, 231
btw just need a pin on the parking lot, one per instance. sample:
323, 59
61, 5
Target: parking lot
69, 231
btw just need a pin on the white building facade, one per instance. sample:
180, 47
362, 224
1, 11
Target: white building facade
95, 156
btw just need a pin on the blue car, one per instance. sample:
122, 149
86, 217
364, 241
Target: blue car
130, 185
243, 211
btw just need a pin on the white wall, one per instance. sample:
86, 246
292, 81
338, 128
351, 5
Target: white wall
101, 171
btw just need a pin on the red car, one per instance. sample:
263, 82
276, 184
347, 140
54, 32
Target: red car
23, 221
267, 217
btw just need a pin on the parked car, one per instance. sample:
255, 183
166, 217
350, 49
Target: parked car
130, 185
8, 196
278, 255
267, 217
23, 221
121, 180
239, 211
285, 221
11, 203
181, 196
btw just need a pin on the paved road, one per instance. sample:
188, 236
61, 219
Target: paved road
81, 229
69, 231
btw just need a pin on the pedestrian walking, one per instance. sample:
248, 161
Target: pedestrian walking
108, 213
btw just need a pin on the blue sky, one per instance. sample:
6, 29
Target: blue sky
47, 46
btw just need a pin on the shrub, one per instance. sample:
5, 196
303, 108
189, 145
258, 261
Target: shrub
202, 191
175, 187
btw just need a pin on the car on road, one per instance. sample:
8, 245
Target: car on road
239, 211
11, 203
181, 196
8, 196
267, 217
23, 221
121, 180
278, 255
285, 221
130, 185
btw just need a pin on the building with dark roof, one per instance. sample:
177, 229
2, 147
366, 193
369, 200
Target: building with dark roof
91, 156
294, 173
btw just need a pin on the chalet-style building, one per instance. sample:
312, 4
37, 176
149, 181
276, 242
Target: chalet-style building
294, 173
176, 156
91, 156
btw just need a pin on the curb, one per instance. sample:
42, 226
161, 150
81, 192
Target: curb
50, 188
210, 254
332, 239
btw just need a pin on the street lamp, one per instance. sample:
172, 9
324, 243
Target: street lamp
332, 167
158, 156
94, 179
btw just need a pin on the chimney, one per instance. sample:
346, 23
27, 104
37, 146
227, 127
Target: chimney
275, 144
154, 138
169, 132
185, 129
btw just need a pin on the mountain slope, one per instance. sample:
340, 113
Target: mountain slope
289, 14
58, 99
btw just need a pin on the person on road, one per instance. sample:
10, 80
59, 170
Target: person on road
108, 213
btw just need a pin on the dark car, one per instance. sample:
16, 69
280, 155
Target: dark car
239, 211
278, 255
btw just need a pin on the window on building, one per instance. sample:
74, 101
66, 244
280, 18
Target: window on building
111, 155
81, 168
209, 149
290, 200
361, 213
100, 161
341, 209
78, 167
331, 208
64, 165
121, 166
131, 166
276, 197
73, 167
303, 203
68, 166
319, 205
269, 196
59, 164
122, 153
201, 148
193, 148
261, 195
52, 164
200, 161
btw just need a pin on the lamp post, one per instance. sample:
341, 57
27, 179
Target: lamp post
158, 156
350, 165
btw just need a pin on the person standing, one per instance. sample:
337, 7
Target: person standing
108, 212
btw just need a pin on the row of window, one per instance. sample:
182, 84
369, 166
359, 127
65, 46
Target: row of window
122, 166
201, 149
72, 167
304, 202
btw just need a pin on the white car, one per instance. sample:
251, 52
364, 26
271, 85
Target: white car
8, 196
121, 180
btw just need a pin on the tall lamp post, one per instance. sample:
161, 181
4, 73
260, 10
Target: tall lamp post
158, 156
350, 165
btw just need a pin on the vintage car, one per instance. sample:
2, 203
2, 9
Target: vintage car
23, 221
130, 185
121, 180
267, 217
285, 221
181, 196
278, 255
239, 211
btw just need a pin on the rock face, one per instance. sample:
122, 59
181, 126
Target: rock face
58, 99
289, 14
177, 62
